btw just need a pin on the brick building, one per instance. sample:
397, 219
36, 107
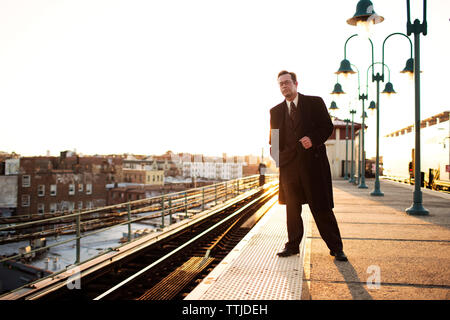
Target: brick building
163, 163
65, 183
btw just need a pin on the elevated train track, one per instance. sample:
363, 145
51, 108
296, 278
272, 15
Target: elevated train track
159, 267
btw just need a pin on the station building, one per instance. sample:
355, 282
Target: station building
336, 147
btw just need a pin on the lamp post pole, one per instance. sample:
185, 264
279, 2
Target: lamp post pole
359, 157
389, 89
346, 150
352, 170
377, 191
417, 28
345, 67
363, 155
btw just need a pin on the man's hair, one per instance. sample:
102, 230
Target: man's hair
293, 76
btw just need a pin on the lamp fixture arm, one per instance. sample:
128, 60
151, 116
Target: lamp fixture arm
359, 82
345, 48
345, 45
371, 43
393, 34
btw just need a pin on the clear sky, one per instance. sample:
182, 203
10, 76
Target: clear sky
144, 77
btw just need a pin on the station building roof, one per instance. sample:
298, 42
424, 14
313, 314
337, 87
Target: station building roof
438, 118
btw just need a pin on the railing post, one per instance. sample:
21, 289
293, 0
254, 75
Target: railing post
129, 223
162, 211
185, 205
170, 210
215, 194
226, 191
203, 198
78, 238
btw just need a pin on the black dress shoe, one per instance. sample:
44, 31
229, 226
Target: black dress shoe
339, 255
287, 252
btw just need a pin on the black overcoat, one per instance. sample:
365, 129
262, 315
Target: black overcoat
312, 120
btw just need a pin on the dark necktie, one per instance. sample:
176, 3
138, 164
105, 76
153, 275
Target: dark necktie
293, 111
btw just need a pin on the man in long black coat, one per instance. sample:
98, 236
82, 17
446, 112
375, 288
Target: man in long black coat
300, 125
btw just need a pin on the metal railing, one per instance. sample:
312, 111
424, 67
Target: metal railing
183, 204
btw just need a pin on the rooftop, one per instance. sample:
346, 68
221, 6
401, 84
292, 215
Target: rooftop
436, 119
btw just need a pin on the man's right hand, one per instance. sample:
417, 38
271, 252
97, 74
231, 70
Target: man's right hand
306, 142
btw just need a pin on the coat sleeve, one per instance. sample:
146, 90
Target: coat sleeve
322, 124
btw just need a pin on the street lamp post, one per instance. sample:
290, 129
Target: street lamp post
363, 185
333, 106
359, 158
377, 191
346, 177
346, 68
389, 89
366, 15
338, 91
352, 167
417, 28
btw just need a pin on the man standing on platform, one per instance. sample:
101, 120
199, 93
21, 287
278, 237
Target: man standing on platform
301, 125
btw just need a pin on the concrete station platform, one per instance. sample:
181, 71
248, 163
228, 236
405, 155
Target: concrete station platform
392, 255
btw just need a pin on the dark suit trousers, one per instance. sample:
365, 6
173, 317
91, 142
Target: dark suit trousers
325, 220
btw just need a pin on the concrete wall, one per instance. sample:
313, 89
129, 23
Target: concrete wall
336, 153
8, 191
435, 151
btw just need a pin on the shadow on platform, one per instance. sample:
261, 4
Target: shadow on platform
354, 284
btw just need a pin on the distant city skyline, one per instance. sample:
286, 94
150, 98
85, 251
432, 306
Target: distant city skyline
75, 151
174, 156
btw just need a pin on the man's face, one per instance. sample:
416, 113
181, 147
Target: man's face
287, 87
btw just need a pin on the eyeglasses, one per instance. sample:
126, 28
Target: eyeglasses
287, 82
